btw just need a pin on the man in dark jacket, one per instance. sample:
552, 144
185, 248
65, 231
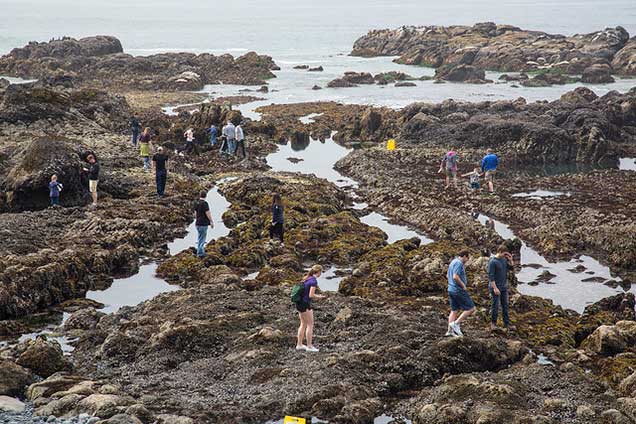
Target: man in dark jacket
498, 285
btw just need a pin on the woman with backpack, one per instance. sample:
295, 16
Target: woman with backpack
305, 311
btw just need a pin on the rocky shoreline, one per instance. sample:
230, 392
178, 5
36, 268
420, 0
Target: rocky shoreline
219, 349
505, 48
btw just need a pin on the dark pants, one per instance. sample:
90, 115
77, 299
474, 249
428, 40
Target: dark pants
55, 201
494, 309
161, 178
224, 146
276, 230
241, 146
135, 137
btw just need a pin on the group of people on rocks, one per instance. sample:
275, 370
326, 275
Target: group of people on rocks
233, 141
487, 169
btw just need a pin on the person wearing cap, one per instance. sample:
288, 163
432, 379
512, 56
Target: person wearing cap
160, 168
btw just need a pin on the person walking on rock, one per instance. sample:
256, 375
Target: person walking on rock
160, 168
203, 220
54, 191
449, 166
93, 177
305, 310
276, 230
135, 126
240, 141
213, 134
229, 131
498, 285
458, 295
489, 166
144, 148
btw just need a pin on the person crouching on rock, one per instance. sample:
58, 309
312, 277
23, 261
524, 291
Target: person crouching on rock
203, 220
144, 148
458, 295
305, 311
278, 219
93, 177
54, 190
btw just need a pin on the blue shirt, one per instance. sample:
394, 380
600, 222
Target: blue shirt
456, 267
489, 162
309, 283
213, 132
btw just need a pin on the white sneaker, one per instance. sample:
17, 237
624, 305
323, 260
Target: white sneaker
301, 347
312, 349
456, 329
449, 333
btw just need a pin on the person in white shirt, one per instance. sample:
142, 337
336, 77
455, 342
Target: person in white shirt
240, 141
229, 131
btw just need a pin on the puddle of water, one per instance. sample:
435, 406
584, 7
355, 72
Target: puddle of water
132, 290
360, 205
627, 164
393, 231
218, 205
543, 360
329, 281
567, 288
308, 119
539, 194
251, 276
318, 158
16, 80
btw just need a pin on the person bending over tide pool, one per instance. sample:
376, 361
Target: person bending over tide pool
498, 285
305, 311
458, 295
203, 220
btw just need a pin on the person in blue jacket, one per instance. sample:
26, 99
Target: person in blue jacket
489, 167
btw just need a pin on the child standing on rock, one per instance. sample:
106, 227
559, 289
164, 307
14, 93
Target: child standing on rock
305, 311
54, 190
144, 148
474, 178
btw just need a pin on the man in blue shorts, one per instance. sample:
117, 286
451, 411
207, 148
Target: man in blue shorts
458, 295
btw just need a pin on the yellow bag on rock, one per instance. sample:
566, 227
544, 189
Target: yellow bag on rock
294, 420
390, 145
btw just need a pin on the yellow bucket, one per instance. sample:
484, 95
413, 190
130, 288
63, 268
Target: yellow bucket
390, 145
294, 420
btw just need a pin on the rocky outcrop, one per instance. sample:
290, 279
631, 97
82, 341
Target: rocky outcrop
497, 47
586, 133
624, 62
597, 74
461, 73
13, 378
43, 357
100, 62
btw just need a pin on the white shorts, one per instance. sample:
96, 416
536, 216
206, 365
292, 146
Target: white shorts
92, 186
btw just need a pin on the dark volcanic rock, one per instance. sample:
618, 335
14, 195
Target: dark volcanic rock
316, 69
624, 62
597, 74
100, 62
461, 73
13, 378
499, 47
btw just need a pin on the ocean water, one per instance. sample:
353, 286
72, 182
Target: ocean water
297, 32
284, 28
